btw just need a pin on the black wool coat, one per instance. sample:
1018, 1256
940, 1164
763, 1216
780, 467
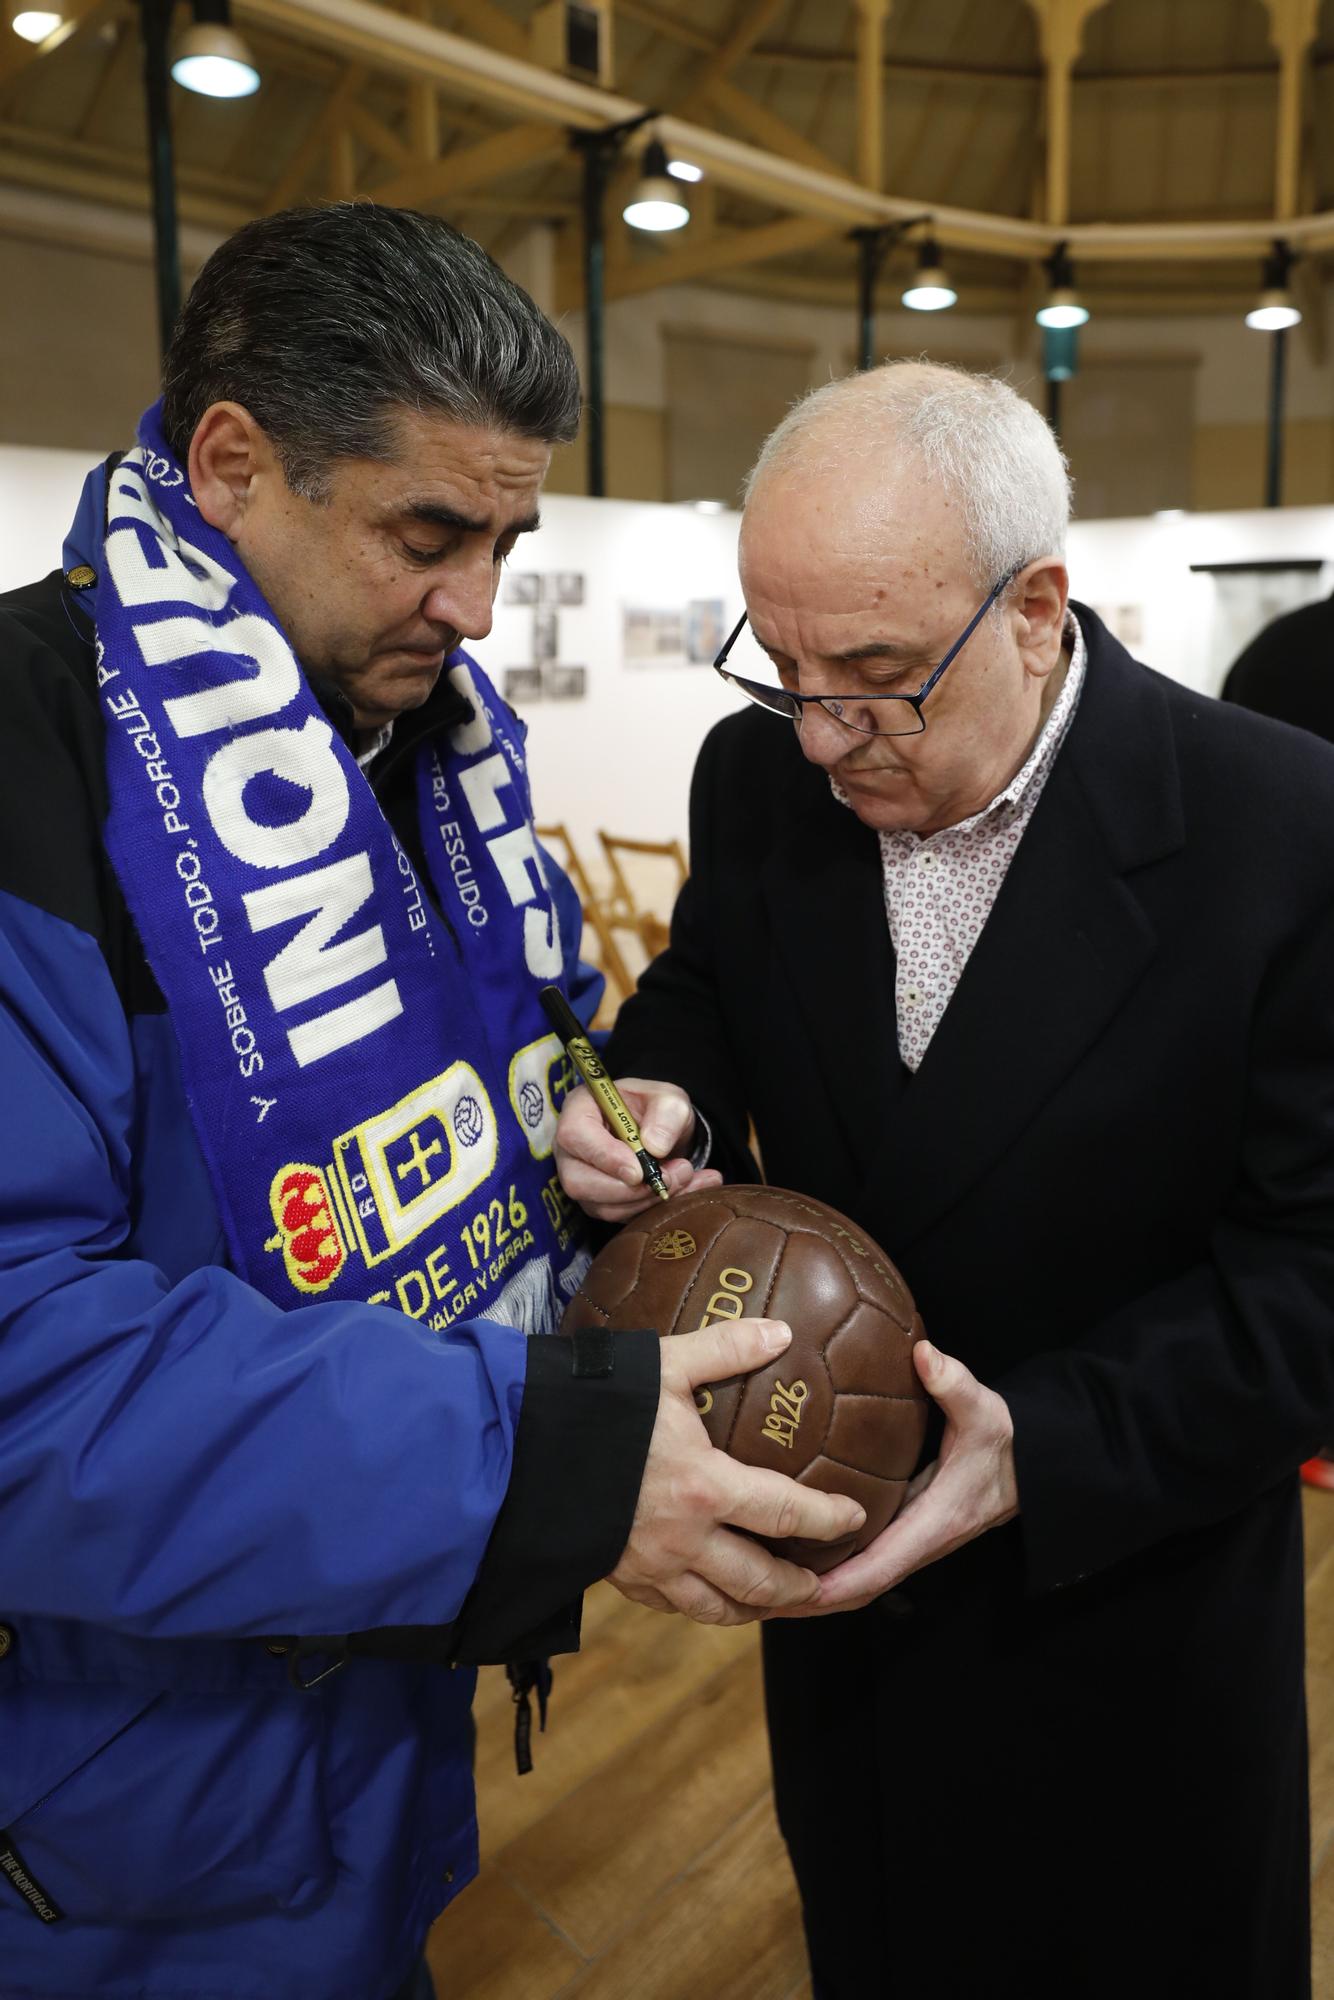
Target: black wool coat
1070, 1759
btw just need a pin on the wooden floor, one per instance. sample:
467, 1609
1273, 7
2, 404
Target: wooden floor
640, 1859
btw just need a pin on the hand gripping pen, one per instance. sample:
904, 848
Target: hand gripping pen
615, 1111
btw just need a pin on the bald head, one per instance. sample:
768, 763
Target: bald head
881, 516
911, 429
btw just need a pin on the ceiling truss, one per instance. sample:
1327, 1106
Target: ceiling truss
410, 110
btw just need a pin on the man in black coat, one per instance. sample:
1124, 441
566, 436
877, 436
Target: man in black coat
1043, 997
1287, 669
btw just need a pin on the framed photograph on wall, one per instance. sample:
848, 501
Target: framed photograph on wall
546, 635
565, 683
522, 685
563, 586
652, 636
704, 630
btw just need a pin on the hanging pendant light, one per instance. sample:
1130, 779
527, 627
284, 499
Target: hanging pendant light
1275, 309
211, 57
657, 203
930, 290
34, 24
1062, 305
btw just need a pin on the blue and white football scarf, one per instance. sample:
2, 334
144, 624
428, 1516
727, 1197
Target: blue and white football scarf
375, 1091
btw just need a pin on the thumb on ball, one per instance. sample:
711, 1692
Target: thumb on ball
940, 1374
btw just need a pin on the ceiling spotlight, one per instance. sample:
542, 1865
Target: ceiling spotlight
211, 57
34, 23
657, 202
930, 290
684, 170
1275, 309
1062, 306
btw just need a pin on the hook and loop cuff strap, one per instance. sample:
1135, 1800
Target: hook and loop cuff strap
593, 1354
25, 1884
589, 1407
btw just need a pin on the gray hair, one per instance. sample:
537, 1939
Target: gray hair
326, 322
990, 450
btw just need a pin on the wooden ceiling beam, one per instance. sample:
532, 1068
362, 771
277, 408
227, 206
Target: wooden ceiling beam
1168, 242
871, 18
395, 45
373, 132
475, 166
56, 149
729, 250
492, 26
315, 144
16, 55
1308, 283
523, 210
1060, 32
291, 58
745, 114
1015, 302
424, 122
115, 76
1292, 30
342, 164
1025, 76
664, 22
423, 104
725, 56
100, 186
965, 140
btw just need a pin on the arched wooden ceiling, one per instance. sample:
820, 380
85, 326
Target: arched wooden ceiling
1063, 111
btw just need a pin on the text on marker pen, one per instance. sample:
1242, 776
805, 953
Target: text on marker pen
615, 1111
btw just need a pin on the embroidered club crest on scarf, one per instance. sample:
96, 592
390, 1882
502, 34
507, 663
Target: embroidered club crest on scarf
375, 1090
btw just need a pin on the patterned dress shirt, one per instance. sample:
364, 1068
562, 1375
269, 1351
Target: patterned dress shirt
939, 891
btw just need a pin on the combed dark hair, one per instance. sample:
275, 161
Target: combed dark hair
323, 322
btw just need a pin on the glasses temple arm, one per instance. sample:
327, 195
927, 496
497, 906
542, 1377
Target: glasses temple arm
965, 635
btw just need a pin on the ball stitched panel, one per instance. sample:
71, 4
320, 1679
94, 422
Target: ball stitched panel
842, 1408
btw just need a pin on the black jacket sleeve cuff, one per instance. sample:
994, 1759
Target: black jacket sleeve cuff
589, 1406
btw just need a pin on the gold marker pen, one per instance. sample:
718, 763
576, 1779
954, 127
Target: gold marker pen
615, 1111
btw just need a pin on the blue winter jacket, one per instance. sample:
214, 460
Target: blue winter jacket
187, 1471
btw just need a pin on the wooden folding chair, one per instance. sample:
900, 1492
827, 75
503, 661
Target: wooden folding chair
620, 984
632, 914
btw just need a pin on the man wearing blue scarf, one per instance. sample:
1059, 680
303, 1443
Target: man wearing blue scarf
279, 1459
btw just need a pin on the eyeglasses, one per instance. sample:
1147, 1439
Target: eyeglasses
870, 714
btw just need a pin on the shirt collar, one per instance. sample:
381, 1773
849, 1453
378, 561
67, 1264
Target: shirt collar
380, 741
1043, 754
444, 708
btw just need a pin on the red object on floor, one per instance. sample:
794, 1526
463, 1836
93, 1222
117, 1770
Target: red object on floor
1319, 1471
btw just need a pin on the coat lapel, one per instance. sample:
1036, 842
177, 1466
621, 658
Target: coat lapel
822, 886
1064, 945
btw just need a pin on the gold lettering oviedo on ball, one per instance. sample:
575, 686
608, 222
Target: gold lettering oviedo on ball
727, 1302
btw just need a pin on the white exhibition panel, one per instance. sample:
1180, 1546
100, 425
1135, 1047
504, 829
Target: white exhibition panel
1194, 623
39, 491
621, 756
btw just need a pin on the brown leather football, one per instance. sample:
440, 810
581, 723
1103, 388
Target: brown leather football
842, 1409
